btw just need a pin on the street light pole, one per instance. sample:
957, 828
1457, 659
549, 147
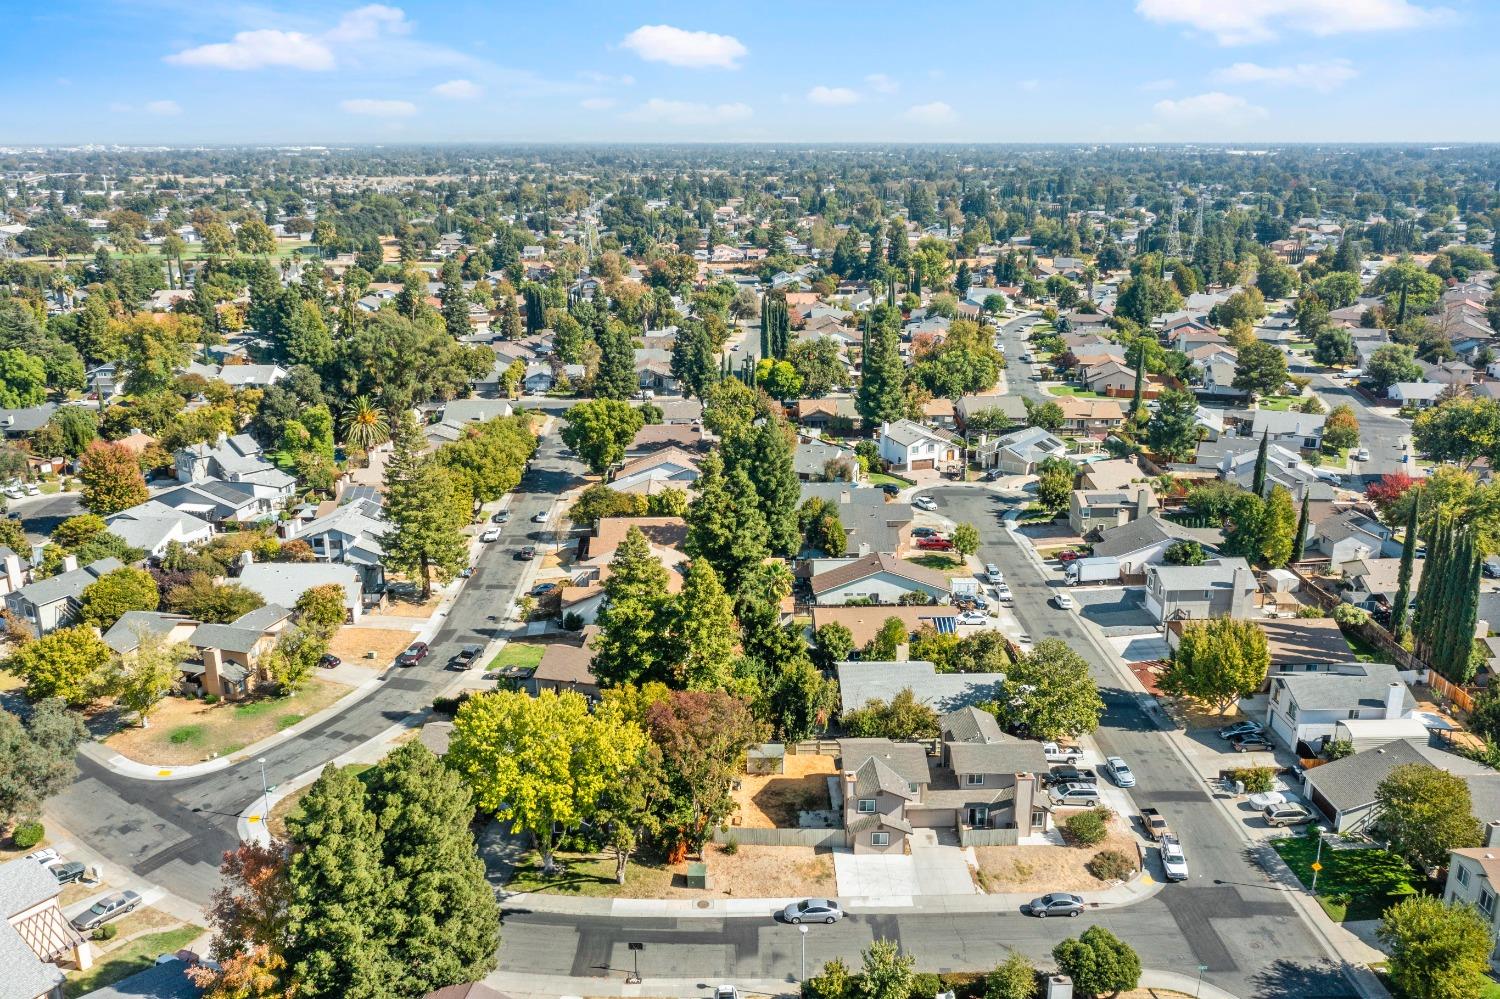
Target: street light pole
1318, 861
265, 798
803, 931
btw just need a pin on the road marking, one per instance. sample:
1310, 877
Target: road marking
163, 773
253, 819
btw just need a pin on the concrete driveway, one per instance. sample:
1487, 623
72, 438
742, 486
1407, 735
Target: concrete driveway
943, 870
874, 875
1114, 610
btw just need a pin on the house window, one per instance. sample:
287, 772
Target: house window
880, 839
1353, 712
973, 780
1463, 875
867, 805
1038, 817
1486, 901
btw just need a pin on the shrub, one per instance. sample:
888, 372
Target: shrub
27, 835
573, 621
925, 983
729, 847
106, 932
1257, 780
1014, 979
449, 705
1110, 865
1088, 828
1350, 615
1309, 610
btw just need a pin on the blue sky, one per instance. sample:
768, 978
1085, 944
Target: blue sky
191, 71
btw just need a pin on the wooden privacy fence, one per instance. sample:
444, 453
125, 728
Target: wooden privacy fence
988, 837
780, 837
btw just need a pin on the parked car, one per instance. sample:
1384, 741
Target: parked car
1286, 815
1173, 860
924, 532
107, 908
924, 503
935, 544
67, 873
993, 474
1119, 771
328, 660
1363, 454
1064, 602
466, 655
891, 489
1248, 742
993, 574
1058, 903
1240, 728
489, 536
32, 489
46, 857
1003, 594
1084, 795
501, 517
415, 653
527, 553
973, 617
813, 910
542, 589
540, 517
1068, 774
1266, 799
1068, 555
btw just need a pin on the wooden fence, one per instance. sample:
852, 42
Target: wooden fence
780, 837
988, 837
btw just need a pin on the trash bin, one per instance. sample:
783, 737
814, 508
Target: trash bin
697, 874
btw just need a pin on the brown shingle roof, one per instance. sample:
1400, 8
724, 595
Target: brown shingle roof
872, 564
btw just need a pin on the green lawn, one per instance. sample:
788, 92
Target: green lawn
1075, 392
517, 654
1354, 884
1276, 403
591, 876
137, 955
886, 479
936, 560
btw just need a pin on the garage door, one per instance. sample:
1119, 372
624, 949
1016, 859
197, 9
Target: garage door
1282, 728
920, 464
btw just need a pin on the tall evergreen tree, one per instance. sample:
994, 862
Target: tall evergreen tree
725, 524
510, 316
441, 921
1258, 481
1299, 543
776, 326
455, 301
1138, 400
536, 309
1401, 612
1427, 610
765, 455
882, 387
704, 633
337, 893
427, 522
616, 377
634, 618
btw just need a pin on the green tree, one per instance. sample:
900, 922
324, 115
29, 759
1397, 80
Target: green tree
801, 699
149, 673
1173, 428
70, 663
1055, 485
1014, 978
820, 365
703, 736
1047, 416
540, 762
725, 524
1278, 527
1145, 297
632, 645
427, 518
1262, 465
23, 380
780, 380
441, 924
1401, 609
294, 658
1334, 347
884, 646
1218, 662
1299, 540
126, 589
1424, 813
600, 430
966, 539
36, 757
887, 973
1438, 951
213, 603
1260, 369
1050, 694
1459, 430
834, 982
365, 426
321, 608
112, 479
1098, 962
1390, 364
881, 395
616, 378
1187, 552
765, 455
454, 300
833, 643
704, 633
1341, 428
1407, 289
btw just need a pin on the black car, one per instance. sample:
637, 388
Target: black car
328, 660
891, 489
415, 653
924, 532
69, 872
542, 589
465, 656
526, 554
1070, 775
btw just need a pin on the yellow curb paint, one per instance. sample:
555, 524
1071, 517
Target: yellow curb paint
253, 819
163, 773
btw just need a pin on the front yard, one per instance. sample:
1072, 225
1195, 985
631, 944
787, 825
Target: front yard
519, 654
886, 479
1353, 884
938, 561
1075, 392
750, 872
353, 644
143, 936
1004, 869
186, 730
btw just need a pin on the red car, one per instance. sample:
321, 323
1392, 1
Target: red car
935, 544
1068, 556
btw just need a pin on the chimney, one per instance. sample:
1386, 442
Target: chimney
903, 652
1491, 833
69, 563
1395, 699
1143, 502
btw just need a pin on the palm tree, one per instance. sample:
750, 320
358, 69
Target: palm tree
365, 426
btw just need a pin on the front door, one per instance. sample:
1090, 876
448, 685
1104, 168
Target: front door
979, 816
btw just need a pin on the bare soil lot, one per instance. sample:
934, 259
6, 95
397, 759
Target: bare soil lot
772, 801
1005, 869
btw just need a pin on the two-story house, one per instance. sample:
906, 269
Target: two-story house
52, 603
910, 447
1223, 587
1289, 428
1474, 879
1090, 417
1306, 707
1091, 509
35, 934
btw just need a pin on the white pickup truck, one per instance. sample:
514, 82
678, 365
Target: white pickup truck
1062, 754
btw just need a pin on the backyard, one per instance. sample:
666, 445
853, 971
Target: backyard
769, 801
1353, 884
748, 872
186, 730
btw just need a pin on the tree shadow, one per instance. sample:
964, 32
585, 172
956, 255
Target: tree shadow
1324, 980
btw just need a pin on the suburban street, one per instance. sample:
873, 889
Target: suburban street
173, 833
1017, 372
1379, 429
40, 515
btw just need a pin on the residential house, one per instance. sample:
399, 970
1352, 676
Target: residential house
653, 437
866, 681
982, 780
1100, 509
1144, 541
235, 459
283, 583
1223, 587
567, 665
653, 370
1218, 380
1284, 468
864, 622
35, 934
1090, 417
879, 577
1418, 395
18, 423
669, 468
457, 415
831, 414
910, 447
665, 537
1118, 474
1449, 373
1304, 644
1344, 791
1289, 428
219, 502
1304, 707
1115, 378
1011, 408
871, 522
351, 535
229, 660
125, 635
52, 603
1474, 880
1372, 583
1350, 536
1020, 451
819, 461
539, 378
152, 526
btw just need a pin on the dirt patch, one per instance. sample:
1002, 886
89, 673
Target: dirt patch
187, 731
1005, 869
352, 642
411, 607
750, 872
772, 801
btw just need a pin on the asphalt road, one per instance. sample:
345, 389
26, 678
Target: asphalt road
1379, 429
41, 515
174, 833
1017, 372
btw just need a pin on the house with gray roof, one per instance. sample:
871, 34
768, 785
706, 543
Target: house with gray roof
879, 577
284, 583
17, 423
1144, 541
152, 526
1223, 587
1009, 406
1289, 428
908, 446
863, 682
35, 935
1344, 791
1306, 707
351, 535
235, 459
1350, 535
871, 523
820, 461
52, 603
1020, 451
124, 636
228, 660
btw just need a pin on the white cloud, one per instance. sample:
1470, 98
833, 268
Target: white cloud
370, 22
882, 84
597, 103
667, 112
1029, 85
935, 113
163, 107
258, 49
693, 49
1319, 76
1156, 86
459, 90
1240, 22
379, 108
1213, 108
832, 96
604, 79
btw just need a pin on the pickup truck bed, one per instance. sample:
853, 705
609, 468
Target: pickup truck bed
1155, 824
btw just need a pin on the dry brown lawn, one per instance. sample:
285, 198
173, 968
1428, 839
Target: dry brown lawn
415, 607
771, 801
1004, 869
765, 872
352, 642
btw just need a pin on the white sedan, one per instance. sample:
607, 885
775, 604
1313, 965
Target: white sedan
924, 503
1265, 799
973, 617
1120, 771
490, 535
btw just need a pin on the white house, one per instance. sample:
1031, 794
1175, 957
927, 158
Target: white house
1420, 395
1021, 451
911, 447
1306, 707
152, 526
878, 577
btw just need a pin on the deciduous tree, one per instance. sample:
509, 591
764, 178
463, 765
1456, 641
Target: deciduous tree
1050, 694
703, 736
1098, 962
36, 757
1438, 951
112, 594
1218, 661
600, 430
70, 663
1424, 813
112, 479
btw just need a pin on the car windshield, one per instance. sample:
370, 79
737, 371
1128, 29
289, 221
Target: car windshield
100, 908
